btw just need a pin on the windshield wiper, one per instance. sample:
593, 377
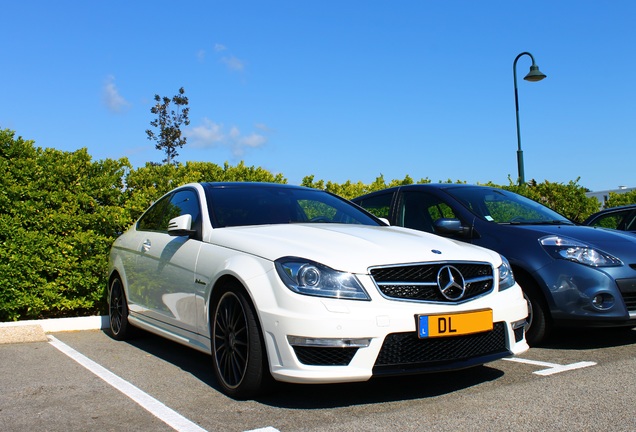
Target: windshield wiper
544, 222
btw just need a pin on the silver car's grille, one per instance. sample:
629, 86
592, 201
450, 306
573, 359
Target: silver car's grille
406, 353
324, 356
419, 282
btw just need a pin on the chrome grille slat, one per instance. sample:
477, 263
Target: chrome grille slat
418, 282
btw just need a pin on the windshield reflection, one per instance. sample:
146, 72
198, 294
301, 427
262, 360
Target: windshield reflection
501, 206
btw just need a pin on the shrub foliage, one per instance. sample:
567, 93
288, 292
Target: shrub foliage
60, 212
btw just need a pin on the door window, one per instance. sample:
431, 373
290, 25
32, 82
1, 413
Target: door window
182, 202
419, 210
378, 205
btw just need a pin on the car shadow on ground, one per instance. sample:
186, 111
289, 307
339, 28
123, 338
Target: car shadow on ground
197, 363
377, 390
320, 396
590, 338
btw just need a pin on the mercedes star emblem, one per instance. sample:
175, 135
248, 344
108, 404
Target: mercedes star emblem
451, 283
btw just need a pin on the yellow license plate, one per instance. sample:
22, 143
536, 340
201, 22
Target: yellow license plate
444, 325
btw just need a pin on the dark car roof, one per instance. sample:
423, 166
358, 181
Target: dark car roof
609, 210
438, 186
613, 209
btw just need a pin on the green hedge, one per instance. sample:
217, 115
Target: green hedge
60, 212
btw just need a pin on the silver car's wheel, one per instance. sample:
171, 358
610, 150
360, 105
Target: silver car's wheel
118, 310
238, 351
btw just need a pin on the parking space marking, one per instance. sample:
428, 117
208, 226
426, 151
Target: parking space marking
150, 404
266, 429
552, 368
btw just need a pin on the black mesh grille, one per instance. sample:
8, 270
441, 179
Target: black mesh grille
402, 352
419, 282
630, 301
628, 290
325, 356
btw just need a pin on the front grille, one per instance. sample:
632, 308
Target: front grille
630, 301
419, 281
406, 352
325, 356
627, 288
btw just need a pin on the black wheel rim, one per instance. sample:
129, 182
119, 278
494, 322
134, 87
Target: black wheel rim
231, 340
117, 307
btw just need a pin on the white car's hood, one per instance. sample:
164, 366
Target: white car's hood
351, 248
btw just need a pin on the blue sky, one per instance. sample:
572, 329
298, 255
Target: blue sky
342, 90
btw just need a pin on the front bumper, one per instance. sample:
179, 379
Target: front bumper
582, 295
314, 340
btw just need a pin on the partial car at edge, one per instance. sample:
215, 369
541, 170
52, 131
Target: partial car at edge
621, 218
572, 275
299, 285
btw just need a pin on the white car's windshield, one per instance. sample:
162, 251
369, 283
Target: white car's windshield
501, 206
253, 204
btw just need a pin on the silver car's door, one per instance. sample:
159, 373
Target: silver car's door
164, 288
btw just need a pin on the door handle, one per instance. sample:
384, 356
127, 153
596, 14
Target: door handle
145, 246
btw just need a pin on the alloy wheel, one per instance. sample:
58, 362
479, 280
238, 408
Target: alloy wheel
231, 340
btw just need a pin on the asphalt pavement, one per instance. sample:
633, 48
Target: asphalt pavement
78, 378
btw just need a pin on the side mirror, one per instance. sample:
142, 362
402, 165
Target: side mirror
446, 226
181, 226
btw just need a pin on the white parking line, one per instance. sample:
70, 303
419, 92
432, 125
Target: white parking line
150, 404
267, 429
553, 368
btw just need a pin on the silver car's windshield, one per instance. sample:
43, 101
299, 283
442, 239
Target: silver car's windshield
501, 206
254, 205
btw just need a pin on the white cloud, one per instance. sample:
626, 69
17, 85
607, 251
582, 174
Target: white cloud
207, 135
263, 127
233, 63
112, 99
212, 135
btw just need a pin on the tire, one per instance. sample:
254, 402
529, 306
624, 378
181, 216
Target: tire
239, 357
539, 324
120, 328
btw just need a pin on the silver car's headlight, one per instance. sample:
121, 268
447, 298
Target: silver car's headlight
569, 249
506, 278
311, 278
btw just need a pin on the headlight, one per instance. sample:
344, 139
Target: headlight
506, 278
565, 248
311, 278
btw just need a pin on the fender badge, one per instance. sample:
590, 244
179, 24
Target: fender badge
435, 251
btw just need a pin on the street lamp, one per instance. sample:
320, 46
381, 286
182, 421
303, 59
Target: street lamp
533, 76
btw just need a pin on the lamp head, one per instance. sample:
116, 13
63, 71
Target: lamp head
535, 74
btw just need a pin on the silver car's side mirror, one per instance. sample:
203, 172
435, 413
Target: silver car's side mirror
181, 226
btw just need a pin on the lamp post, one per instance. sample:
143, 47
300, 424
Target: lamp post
533, 76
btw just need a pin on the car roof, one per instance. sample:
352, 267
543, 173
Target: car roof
252, 185
438, 186
618, 208
607, 211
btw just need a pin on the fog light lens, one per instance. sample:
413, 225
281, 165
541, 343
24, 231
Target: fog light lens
328, 343
603, 301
